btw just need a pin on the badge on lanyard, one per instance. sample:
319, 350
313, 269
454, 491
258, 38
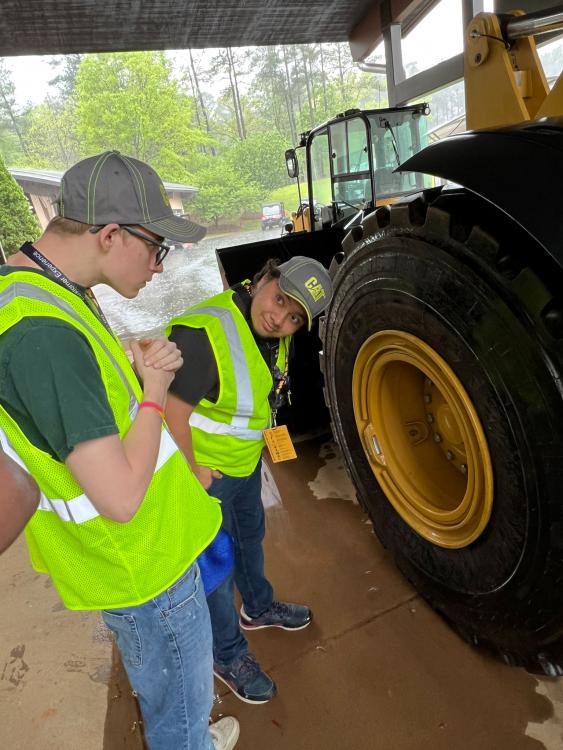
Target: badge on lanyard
279, 444
278, 441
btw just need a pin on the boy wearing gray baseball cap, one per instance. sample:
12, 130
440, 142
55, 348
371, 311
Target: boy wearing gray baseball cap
222, 407
121, 518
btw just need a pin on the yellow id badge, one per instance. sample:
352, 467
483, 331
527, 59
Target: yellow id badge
279, 444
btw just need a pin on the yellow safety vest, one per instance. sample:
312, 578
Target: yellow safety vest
96, 563
227, 434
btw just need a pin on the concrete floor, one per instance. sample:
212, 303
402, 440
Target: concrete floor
376, 669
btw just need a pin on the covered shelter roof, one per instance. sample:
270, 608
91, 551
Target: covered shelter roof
54, 27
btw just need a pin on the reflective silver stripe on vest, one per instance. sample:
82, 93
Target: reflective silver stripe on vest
30, 291
77, 510
80, 509
9, 450
243, 384
220, 428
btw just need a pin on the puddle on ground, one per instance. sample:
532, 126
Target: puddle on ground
550, 732
332, 479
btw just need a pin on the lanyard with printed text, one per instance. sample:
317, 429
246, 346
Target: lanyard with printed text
86, 295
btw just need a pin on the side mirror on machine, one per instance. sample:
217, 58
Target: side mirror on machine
291, 163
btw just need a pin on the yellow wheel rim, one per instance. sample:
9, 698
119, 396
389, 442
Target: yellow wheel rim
423, 439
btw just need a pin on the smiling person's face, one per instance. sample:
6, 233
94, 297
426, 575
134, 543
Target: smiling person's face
273, 313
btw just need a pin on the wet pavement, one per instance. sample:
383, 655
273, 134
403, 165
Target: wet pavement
189, 277
376, 669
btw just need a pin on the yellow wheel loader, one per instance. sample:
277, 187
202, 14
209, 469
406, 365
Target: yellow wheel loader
443, 358
442, 352
350, 164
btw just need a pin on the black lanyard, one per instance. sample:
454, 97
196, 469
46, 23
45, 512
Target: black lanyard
280, 387
86, 295
280, 379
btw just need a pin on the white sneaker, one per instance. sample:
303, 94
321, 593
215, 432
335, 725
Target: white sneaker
224, 733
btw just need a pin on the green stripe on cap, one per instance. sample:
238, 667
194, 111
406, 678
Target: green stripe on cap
91, 217
168, 223
141, 186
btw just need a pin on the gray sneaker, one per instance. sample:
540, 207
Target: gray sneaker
224, 733
247, 681
278, 615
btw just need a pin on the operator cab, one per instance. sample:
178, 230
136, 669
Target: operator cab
351, 161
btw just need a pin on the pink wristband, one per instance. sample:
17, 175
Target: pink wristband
152, 405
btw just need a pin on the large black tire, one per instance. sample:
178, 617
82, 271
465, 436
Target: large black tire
452, 272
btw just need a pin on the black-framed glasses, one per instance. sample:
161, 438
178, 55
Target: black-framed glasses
163, 248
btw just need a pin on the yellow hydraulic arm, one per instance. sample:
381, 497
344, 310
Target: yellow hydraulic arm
504, 79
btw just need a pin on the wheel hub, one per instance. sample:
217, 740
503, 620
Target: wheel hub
423, 438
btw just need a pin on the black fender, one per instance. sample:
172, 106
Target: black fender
518, 169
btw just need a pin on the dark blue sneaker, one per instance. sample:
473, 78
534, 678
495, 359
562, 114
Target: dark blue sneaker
247, 681
278, 615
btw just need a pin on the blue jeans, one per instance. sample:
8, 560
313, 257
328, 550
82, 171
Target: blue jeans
165, 645
243, 518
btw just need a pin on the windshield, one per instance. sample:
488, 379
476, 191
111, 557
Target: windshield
339, 158
350, 163
395, 138
319, 154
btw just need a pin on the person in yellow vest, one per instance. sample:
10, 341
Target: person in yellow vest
121, 518
236, 347
19, 497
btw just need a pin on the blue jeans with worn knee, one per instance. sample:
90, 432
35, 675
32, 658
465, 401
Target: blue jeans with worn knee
243, 518
166, 647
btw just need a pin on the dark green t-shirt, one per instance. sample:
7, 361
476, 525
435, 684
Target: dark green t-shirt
51, 385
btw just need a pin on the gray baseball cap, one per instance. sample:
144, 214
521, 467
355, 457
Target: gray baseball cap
308, 282
115, 189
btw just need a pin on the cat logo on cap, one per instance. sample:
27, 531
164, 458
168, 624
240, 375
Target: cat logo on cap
315, 289
164, 195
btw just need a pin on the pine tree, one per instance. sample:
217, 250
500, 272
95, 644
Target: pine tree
17, 222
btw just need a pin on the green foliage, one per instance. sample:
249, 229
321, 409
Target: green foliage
287, 195
12, 143
260, 159
222, 193
130, 102
222, 123
51, 137
17, 222
65, 68
10, 147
